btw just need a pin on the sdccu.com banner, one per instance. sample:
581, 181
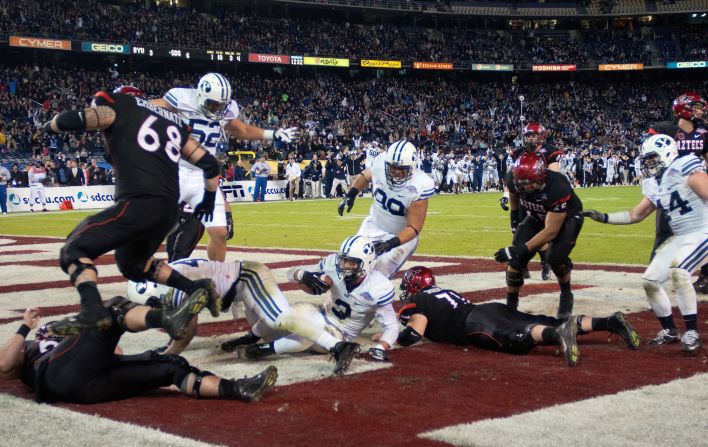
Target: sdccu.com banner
86, 197
243, 191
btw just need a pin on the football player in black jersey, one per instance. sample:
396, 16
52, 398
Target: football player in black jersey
144, 144
553, 217
443, 316
89, 368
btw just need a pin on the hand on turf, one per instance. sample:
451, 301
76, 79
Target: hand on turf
595, 215
314, 282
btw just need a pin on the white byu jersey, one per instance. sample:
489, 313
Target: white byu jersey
207, 131
352, 312
390, 207
371, 153
686, 211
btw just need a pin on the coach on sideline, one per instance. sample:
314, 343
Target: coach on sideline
4, 178
260, 171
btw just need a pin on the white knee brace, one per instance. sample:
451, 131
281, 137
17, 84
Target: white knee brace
685, 293
658, 299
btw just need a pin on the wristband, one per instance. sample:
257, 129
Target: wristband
268, 134
353, 192
618, 218
23, 330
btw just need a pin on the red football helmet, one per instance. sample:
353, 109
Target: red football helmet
683, 105
130, 90
416, 279
534, 134
529, 172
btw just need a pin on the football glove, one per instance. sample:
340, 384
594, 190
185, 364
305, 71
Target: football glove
229, 225
348, 201
512, 253
381, 247
314, 282
378, 354
287, 135
514, 218
205, 209
504, 203
596, 216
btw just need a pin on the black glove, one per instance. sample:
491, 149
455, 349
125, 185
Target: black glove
205, 209
504, 203
378, 354
229, 225
514, 217
47, 127
512, 253
381, 247
596, 216
348, 201
314, 282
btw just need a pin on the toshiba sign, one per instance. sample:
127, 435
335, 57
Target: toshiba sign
554, 67
268, 58
36, 42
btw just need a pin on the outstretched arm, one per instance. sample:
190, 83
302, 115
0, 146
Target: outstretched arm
636, 214
99, 117
12, 355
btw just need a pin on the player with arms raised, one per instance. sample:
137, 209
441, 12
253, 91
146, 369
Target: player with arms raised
678, 186
209, 111
397, 216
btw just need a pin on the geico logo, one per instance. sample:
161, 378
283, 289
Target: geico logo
692, 64
107, 47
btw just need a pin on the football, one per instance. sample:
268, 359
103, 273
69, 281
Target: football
305, 288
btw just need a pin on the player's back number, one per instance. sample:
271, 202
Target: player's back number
149, 139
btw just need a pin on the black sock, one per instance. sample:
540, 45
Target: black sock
268, 348
704, 271
667, 323
229, 390
512, 299
153, 318
565, 289
691, 322
542, 255
88, 291
600, 324
548, 335
181, 282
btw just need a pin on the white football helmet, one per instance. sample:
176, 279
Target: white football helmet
360, 250
213, 95
139, 292
401, 160
658, 151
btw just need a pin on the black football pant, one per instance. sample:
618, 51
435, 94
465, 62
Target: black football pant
495, 327
558, 249
133, 227
84, 369
182, 241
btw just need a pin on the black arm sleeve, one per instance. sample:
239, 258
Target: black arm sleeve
209, 165
408, 336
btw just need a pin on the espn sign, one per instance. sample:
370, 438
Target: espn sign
268, 58
687, 64
554, 67
620, 67
96, 47
432, 65
36, 42
372, 63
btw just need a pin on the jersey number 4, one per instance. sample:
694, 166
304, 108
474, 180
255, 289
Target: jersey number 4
676, 202
149, 139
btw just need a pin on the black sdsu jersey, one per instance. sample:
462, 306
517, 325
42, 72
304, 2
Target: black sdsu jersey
36, 354
144, 145
446, 312
695, 142
557, 196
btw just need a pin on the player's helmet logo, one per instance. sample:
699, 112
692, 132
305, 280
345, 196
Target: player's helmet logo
401, 160
658, 151
355, 258
46, 335
213, 95
415, 280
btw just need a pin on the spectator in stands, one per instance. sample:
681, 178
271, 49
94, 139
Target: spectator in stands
314, 173
75, 175
239, 171
293, 174
340, 178
18, 178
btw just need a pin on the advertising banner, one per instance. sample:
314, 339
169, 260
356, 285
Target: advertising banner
373, 63
620, 67
687, 64
326, 61
99, 47
432, 65
269, 58
81, 197
242, 191
554, 67
36, 42
492, 67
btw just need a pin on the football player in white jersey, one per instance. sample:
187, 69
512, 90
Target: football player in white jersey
358, 294
372, 151
397, 216
679, 187
210, 111
451, 178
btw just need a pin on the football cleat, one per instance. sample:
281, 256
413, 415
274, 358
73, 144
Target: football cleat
214, 303
255, 351
176, 320
252, 389
618, 325
690, 342
89, 317
231, 345
545, 271
701, 285
343, 353
665, 337
566, 335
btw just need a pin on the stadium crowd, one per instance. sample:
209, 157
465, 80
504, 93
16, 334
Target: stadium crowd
229, 29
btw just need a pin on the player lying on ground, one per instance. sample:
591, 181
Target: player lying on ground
357, 295
553, 219
678, 186
144, 144
396, 218
444, 316
267, 310
86, 369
